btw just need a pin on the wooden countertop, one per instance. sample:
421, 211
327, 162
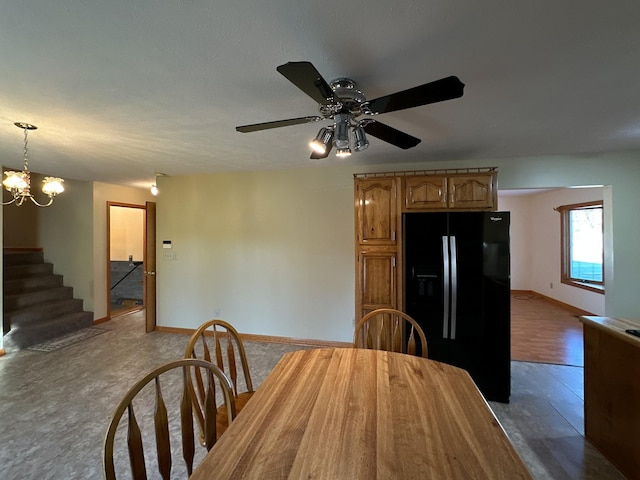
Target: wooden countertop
363, 414
615, 326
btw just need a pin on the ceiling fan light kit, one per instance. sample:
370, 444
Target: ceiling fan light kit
323, 141
19, 183
351, 113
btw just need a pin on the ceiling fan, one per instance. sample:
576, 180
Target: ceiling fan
342, 102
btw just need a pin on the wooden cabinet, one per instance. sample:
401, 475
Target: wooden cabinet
612, 391
377, 279
377, 227
376, 211
451, 192
425, 192
380, 199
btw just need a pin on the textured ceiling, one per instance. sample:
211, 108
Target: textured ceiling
121, 90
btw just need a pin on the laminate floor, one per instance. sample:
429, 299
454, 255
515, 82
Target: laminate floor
542, 331
55, 407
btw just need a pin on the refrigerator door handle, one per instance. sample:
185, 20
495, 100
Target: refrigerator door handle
445, 261
454, 285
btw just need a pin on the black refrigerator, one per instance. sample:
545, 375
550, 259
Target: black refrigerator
457, 287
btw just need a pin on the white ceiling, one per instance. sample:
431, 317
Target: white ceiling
121, 90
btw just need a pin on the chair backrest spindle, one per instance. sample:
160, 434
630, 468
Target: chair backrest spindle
391, 330
230, 357
159, 418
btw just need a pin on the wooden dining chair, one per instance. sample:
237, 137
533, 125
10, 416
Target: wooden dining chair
218, 342
154, 407
391, 330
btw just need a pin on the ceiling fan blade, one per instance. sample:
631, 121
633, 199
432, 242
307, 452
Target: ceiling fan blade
276, 124
305, 76
438, 91
391, 135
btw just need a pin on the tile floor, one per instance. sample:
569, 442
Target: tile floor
54, 407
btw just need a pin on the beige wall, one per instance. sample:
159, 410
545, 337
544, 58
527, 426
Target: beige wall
127, 233
535, 245
270, 252
103, 193
20, 224
73, 234
273, 252
65, 233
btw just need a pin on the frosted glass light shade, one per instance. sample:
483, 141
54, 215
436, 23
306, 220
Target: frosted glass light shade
52, 186
15, 180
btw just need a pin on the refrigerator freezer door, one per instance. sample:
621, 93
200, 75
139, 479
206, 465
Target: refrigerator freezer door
424, 285
453, 254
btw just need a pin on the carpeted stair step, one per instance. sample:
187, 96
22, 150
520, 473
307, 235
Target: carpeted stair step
14, 272
37, 313
22, 258
27, 284
26, 299
23, 337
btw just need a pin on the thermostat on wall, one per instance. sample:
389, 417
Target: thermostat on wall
166, 244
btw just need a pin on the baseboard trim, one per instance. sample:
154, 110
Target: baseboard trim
307, 342
101, 320
250, 337
2, 352
183, 331
566, 306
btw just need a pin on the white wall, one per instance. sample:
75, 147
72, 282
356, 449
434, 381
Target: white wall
274, 253
536, 250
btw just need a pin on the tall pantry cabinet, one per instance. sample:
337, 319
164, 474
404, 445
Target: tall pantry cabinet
377, 244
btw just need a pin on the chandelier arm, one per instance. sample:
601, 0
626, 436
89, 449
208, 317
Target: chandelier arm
41, 204
10, 202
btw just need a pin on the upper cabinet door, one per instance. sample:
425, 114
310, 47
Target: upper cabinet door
472, 192
376, 210
425, 192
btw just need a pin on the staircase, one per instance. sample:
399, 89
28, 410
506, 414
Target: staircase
37, 305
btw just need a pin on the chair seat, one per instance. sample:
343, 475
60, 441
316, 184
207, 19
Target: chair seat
222, 418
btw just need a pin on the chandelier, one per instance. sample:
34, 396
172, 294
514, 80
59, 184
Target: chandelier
19, 183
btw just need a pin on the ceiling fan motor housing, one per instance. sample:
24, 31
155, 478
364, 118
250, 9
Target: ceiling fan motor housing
350, 98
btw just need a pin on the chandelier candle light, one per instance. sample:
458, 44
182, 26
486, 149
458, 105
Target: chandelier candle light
19, 183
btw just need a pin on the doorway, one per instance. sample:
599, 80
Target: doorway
125, 248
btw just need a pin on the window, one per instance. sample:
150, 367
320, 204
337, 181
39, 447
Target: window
582, 245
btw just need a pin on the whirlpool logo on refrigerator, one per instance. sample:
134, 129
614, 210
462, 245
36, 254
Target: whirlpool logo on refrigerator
495, 219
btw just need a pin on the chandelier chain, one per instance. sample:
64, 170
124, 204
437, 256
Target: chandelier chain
26, 150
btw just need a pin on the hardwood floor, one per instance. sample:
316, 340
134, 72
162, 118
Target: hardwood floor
544, 332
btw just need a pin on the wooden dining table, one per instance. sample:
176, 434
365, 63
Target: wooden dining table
348, 413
